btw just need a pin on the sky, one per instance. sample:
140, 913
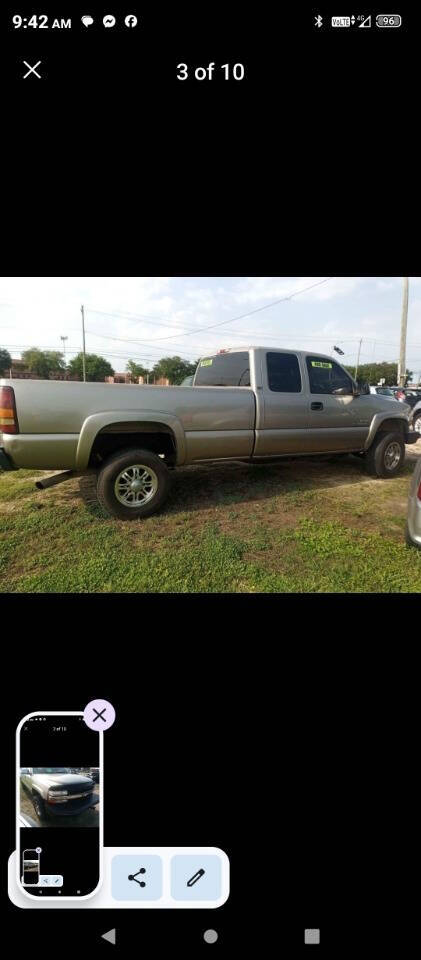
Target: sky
145, 318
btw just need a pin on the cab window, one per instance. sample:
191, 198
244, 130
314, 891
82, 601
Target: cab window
283, 373
326, 376
224, 370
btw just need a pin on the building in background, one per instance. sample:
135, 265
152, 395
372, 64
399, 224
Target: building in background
127, 378
19, 371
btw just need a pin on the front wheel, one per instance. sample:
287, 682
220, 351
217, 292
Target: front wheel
133, 484
386, 455
38, 807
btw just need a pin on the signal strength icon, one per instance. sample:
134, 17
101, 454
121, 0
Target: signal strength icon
366, 22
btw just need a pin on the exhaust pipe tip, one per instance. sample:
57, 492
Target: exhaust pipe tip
55, 479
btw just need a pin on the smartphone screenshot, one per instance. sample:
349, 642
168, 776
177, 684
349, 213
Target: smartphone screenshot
58, 806
210, 506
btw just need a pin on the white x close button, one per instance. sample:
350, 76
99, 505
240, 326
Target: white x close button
32, 70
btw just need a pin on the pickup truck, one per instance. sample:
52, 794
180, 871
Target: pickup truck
249, 404
55, 792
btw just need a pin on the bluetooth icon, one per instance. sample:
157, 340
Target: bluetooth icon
318, 21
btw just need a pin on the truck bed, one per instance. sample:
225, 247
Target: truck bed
51, 415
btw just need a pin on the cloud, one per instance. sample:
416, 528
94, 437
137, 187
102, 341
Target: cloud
255, 289
343, 309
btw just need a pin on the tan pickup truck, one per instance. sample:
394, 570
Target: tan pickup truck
249, 404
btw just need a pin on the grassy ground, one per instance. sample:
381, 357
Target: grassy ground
301, 526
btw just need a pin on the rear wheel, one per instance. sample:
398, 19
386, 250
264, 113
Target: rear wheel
133, 484
417, 422
386, 455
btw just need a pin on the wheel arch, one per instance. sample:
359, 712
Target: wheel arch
113, 431
383, 423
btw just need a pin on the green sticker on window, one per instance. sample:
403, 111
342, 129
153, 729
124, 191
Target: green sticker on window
318, 363
206, 363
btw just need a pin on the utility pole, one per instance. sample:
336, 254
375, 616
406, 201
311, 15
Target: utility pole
358, 359
404, 325
63, 340
82, 310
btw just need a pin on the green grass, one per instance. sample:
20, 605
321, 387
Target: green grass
225, 529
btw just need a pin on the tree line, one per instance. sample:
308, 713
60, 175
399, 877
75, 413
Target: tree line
46, 363
372, 373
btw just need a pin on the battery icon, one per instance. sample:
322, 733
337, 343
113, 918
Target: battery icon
389, 20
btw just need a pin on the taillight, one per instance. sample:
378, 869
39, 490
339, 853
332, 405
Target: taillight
8, 415
419, 492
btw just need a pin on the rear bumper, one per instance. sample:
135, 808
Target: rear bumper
45, 451
5, 461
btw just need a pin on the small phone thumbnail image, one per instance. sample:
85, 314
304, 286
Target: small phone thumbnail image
59, 797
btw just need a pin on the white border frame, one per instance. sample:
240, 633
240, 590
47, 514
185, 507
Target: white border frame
59, 713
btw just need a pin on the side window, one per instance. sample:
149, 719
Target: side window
283, 372
224, 370
326, 376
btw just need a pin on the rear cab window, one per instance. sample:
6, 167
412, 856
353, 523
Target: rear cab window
224, 370
326, 376
283, 372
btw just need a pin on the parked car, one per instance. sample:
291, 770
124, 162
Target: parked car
54, 792
94, 773
399, 393
413, 526
250, 404
415, 417
384, 392
412, 397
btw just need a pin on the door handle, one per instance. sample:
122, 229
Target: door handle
317, 406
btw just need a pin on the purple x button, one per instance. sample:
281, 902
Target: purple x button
99, 715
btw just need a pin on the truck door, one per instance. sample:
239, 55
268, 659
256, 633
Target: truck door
338, 419
283, 426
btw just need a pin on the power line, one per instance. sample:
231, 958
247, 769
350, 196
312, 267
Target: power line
117, 356
104, 336
241, 316
145, 318
222, 322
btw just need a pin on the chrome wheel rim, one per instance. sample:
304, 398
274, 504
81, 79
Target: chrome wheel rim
392, 455
417, 425
136, 485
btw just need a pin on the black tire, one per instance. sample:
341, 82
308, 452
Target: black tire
39, 807
379, 458
156, 491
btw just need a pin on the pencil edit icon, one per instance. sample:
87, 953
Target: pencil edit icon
196, 876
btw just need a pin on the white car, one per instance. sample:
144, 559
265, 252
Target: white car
413, 526
416, 417
384, 392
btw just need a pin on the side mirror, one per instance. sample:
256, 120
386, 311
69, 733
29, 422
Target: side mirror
356, 392
342, 392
